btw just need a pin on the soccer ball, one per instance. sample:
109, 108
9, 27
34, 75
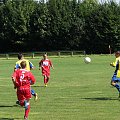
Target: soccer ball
87, 60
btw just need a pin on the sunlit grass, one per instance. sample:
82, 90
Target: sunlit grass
76, 91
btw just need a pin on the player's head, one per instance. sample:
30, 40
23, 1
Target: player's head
23, 64
20, 56
45, 56
117, 53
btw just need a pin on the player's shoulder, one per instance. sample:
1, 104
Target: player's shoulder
118, 59
41, 60
24, 70
25, 60
49, 60
29, 73
17, 70
18, 62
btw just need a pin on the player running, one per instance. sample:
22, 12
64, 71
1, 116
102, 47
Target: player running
29, 66
45, 64
116, 75
22, 79
117, 55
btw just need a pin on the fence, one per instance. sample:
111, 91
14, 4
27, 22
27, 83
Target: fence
38, 54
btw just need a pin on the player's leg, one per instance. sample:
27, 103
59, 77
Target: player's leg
18, 102
118, 86
114, 82
20, 98
44, 77
48, 77
26, 105
27, 108
27, 95
34, 94
23, 102
45, 80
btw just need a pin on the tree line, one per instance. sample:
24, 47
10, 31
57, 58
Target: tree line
28, 25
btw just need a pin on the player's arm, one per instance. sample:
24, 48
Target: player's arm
117, 67
113, 64
32, 79
51, 65
17, 66
40, 65
31, 66
14, 80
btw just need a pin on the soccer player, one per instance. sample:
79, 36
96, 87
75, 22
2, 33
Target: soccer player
117, 55
116, 75
29, 66
22, 79
45, 64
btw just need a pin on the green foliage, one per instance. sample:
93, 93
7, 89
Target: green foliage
59, 25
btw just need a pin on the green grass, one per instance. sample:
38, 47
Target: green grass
76, 91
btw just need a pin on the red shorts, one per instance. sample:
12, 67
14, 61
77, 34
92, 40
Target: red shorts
47, 73
23, 93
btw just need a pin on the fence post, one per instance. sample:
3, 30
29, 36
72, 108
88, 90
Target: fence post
7, 56
72, 54
33, 55
84, 53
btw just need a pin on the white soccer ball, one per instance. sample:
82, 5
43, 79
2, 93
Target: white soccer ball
87, 60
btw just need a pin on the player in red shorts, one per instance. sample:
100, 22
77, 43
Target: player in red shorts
22, 79
45, 64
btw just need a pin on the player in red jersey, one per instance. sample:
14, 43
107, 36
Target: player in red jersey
22, 79
45, 64
29, 66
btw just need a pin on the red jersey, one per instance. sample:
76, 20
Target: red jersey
45, 65
23, 78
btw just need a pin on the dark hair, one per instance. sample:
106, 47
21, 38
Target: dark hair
45, 54
117, 52
23, 64
20, 55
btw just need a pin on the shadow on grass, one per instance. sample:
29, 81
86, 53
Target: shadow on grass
100, 99
37, 86
6, 119
2, 106
9, 118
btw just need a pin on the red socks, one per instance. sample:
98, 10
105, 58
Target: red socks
27, 111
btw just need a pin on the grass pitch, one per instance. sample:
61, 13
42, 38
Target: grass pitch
76, 91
